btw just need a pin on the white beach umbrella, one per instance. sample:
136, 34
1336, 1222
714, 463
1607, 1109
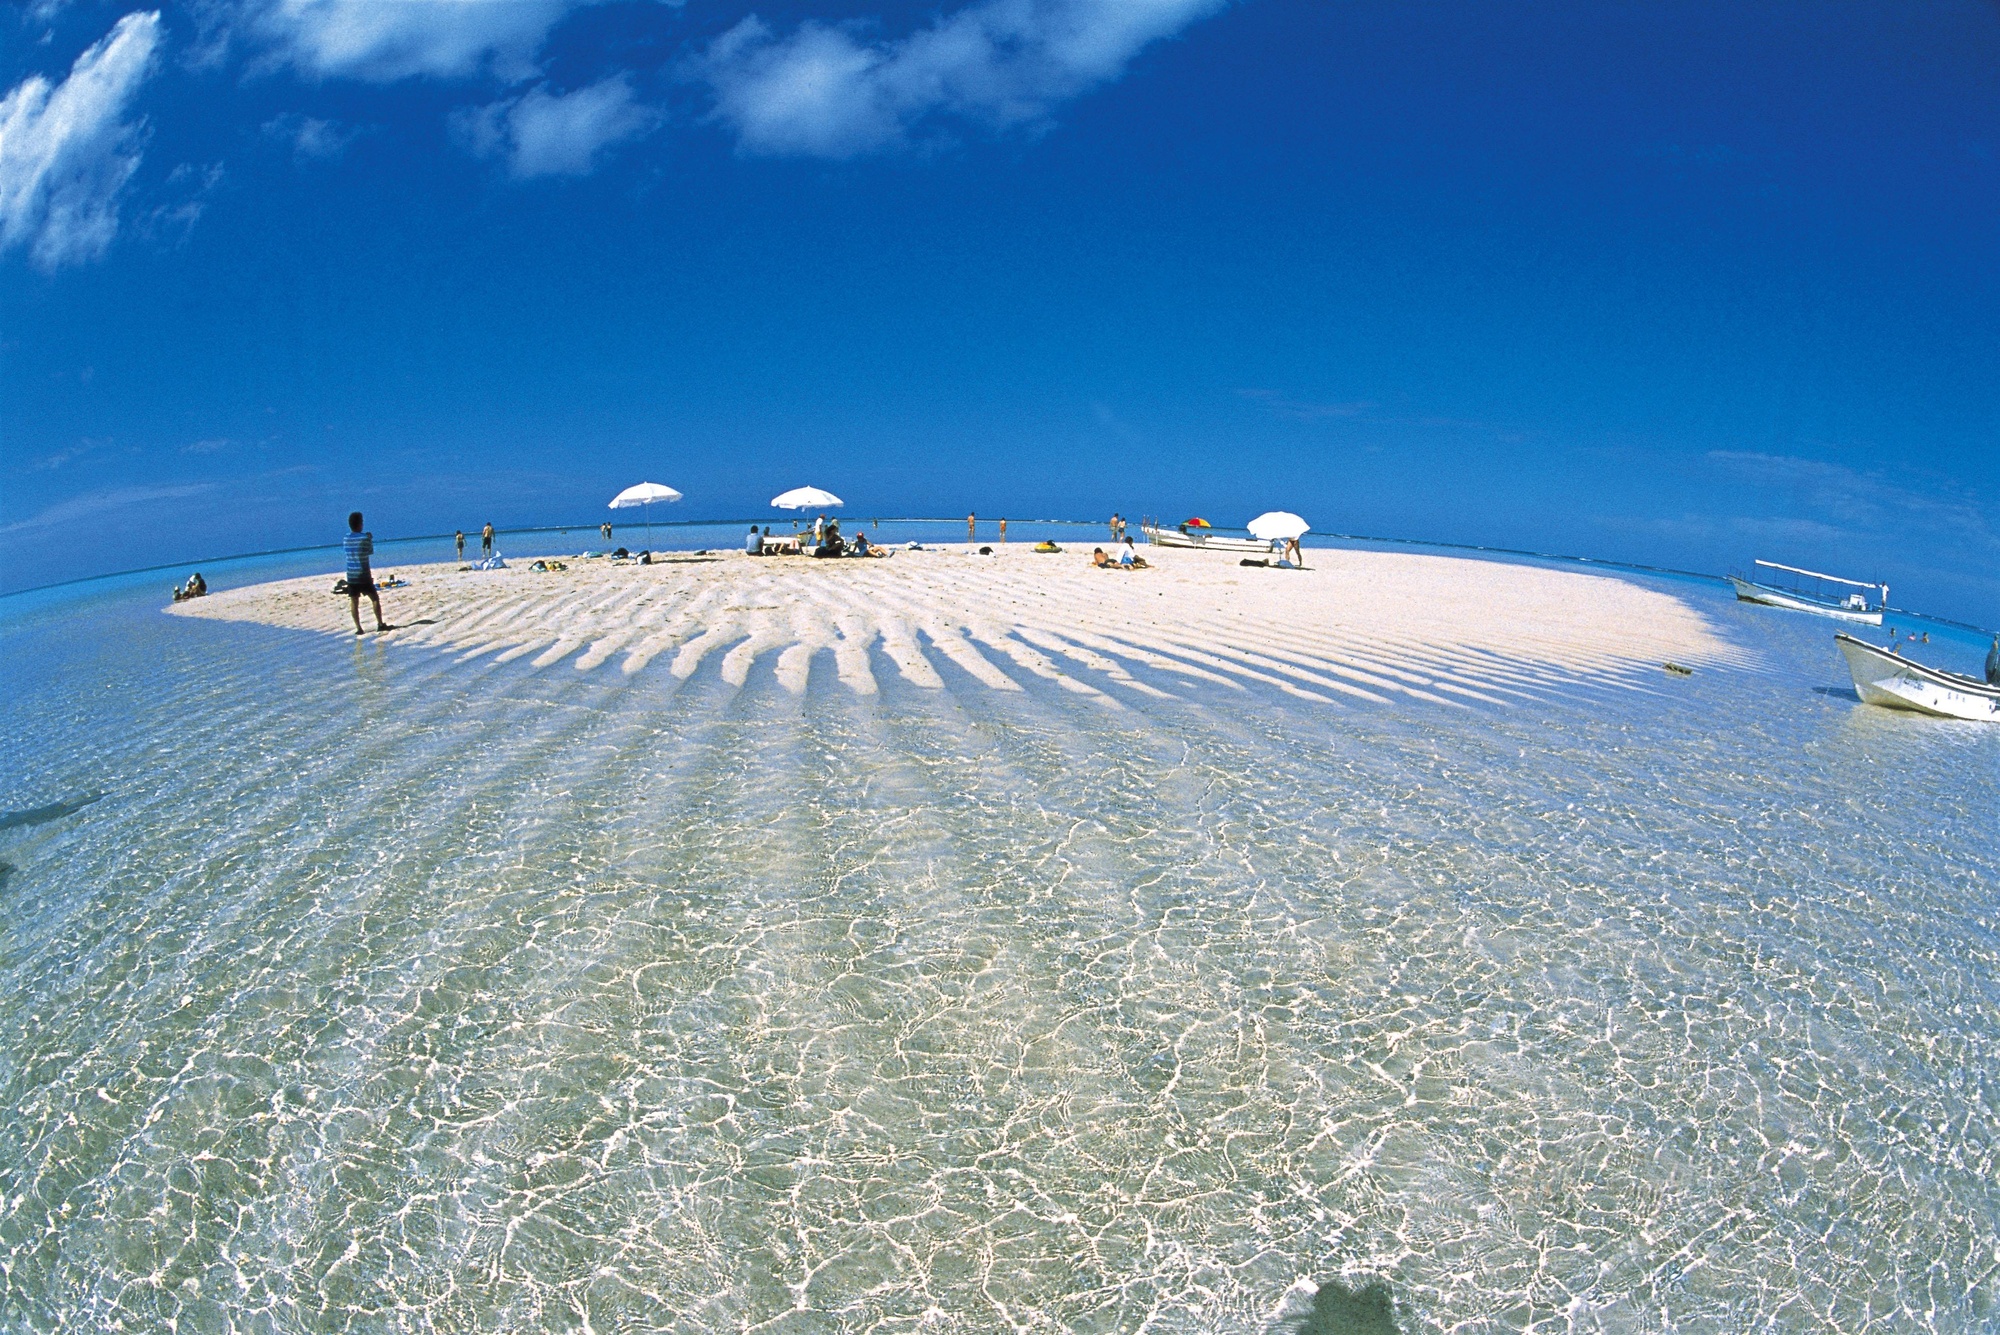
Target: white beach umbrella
645, 493
806, 498
1279, 526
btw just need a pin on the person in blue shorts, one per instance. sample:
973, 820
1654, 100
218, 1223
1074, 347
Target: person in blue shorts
360, 546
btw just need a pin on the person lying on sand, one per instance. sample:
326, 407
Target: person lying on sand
1100, 560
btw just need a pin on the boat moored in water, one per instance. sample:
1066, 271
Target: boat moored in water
1818, 599
1884, 677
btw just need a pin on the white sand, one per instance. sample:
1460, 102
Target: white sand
1359, 626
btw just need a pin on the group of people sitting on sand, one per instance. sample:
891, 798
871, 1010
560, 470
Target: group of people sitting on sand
195, 587
1127, 559
825, 540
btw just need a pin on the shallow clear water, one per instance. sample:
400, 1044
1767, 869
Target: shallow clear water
383, 991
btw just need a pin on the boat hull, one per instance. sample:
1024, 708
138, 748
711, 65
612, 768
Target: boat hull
1770, 597
1883, 678
1167, 537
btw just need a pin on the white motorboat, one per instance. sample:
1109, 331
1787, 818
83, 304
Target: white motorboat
1885, 677
1818, 599
1204, 540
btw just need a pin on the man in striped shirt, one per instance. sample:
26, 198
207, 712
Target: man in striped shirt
360, 579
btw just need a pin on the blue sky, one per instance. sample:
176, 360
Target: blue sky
1679, 284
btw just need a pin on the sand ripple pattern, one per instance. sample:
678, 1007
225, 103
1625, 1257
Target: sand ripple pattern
1361, 628
390, 989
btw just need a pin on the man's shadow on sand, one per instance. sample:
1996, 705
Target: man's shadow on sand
53, 811
10, 820
1339, 1310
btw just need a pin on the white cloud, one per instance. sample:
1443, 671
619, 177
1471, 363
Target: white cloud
551, 134
1299, 410
66, 152
396, 39
826, 91
94, 503
60, 458
310, 137
184, 199
1865, 502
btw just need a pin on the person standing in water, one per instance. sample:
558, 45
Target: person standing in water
458, 540
486, 540
359, 547
1003, 530
971, 527
605, 529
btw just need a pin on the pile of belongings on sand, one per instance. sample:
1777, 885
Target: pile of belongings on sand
386, 582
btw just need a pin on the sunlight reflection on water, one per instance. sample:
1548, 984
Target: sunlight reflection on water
389, 992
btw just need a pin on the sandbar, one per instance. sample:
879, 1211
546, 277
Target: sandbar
1356, 628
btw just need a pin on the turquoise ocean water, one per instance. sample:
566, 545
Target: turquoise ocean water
355, 988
